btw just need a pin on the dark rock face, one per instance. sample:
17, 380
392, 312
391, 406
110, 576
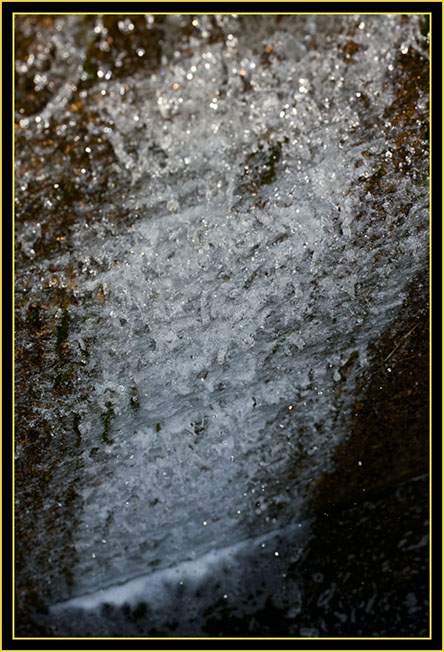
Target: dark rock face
389, 440
347, 448
374, 507
364, 574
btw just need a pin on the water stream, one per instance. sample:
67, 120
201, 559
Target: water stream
216, 216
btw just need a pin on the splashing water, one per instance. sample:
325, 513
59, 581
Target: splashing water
237, 228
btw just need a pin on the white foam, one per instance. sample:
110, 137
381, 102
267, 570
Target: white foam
157, 588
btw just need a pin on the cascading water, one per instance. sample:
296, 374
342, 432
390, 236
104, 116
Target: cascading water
216, 220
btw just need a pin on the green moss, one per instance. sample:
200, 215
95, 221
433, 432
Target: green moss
134, 402
134, 399
62, 331
65, 375
424, 27
33, 318
158, 427
90, 71
107, 418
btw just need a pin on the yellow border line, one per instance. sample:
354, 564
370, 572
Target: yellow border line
215, 13
13, 322
1, 291
222, 638
430, 327
228, 638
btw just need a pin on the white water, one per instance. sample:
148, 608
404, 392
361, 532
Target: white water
157, 587
219, 324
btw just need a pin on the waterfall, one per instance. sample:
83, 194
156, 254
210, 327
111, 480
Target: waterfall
217, 217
